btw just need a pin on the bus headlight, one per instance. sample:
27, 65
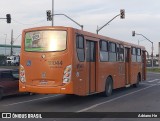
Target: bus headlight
67, 74
22, 74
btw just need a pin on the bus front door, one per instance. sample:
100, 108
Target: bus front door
91, 66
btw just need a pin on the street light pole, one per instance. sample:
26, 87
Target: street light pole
17, 37
50, 16
5, 43
71, 20
52, 12
122, 16
11, 42
98, 29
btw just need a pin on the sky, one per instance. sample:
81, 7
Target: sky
141, 16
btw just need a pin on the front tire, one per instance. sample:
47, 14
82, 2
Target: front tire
108, 87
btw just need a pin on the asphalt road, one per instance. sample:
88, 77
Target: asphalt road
145, 98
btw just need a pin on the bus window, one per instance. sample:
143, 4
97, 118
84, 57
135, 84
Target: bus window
120, 53
80, 48
90, 46
46, 40
112, 52
139, 58
134, 57
103, 50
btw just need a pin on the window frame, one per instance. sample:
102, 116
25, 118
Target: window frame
110, 47
101, 50
137, 54
119, 52
111, 52
77, 47
66, 41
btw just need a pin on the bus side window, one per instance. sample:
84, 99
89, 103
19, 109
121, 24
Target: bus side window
120, 53
139, 58
134, 57
103, 50
80, 47
112, 52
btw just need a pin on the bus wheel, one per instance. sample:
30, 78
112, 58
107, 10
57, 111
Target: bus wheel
108, 87
1, 93
138, 80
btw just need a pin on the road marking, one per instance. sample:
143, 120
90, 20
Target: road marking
153, 80
153, 73
30, 100
111, 100
147, 84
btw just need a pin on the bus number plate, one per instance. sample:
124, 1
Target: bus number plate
43, 82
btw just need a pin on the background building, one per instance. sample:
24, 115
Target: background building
155, 61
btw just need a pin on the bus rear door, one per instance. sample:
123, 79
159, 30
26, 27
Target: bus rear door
91, 66
127, 65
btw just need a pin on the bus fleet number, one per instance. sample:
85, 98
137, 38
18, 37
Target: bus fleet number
58, 63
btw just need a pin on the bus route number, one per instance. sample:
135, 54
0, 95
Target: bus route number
55, 63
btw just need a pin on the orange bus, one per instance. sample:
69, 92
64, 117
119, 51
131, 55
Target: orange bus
65, 60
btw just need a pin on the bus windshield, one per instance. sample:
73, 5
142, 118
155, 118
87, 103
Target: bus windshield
47, 40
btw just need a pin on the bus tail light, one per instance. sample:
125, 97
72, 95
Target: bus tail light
22, 74
67, 74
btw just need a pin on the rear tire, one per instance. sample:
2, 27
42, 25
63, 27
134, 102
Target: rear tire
138, 80
108, 87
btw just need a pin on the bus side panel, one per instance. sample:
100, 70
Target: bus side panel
108, 69
121, 74
79, 71
135, 69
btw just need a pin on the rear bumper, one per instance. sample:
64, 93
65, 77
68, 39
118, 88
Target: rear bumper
65, 89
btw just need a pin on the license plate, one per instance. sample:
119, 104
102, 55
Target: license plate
43, 82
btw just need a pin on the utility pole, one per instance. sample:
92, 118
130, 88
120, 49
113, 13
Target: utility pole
52, 12
5, 43
11, 42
